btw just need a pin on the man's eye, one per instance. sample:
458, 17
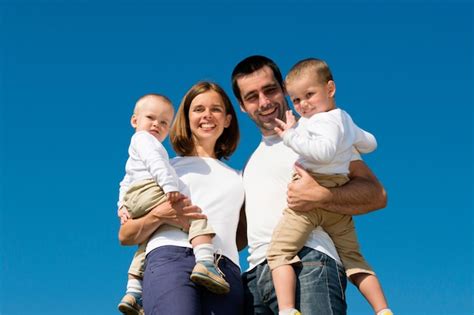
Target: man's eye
251, 98
270, 90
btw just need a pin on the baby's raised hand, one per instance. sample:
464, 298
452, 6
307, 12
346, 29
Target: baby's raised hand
284, 126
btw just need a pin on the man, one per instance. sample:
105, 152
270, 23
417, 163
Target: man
258, 86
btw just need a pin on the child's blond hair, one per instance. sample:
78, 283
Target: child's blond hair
314, 65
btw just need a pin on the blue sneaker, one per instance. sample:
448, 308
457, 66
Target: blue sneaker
207, 274
131, 304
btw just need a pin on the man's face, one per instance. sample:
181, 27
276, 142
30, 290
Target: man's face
263, 99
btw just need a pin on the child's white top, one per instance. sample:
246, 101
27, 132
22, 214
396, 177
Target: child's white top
218, 190
325, 141
148, 159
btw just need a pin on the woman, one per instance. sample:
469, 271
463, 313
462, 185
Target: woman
205, 131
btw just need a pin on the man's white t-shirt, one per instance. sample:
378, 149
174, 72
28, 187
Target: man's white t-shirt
266, 177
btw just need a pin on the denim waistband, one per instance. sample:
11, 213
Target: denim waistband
188, 251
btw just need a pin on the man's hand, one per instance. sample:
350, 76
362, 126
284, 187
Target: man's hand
362, 194
305, 194
284, 126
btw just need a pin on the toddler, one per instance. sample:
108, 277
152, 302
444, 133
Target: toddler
324, 138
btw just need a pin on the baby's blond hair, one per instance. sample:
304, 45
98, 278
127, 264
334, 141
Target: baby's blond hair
149, 97
314, 65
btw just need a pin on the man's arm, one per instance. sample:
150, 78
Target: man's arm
242, 241
136, 231
362, 194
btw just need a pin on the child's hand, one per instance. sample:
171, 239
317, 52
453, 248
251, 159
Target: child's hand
123, 214
173, 196
284, 126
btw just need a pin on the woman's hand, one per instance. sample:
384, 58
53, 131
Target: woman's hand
136, 231
123, 214
178, 213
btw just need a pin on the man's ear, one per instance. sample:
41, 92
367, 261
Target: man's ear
331, 88
242, 108
133, 121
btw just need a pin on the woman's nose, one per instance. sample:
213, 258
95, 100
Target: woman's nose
207, 113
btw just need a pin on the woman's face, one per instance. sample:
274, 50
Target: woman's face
208, 118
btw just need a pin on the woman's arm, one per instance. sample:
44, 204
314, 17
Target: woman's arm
136, 231
362, 194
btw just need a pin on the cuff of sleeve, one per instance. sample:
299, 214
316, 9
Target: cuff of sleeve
287, 135
169, 188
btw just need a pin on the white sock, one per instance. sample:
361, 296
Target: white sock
385, 311
134, 286
204, 252
288, 311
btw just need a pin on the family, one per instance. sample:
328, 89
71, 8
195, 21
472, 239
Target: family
292, 205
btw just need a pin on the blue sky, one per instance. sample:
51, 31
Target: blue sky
70, 72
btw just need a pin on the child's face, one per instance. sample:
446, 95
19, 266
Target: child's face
309, 96
154, 116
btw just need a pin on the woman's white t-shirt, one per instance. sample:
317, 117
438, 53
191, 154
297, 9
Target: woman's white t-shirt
218, 190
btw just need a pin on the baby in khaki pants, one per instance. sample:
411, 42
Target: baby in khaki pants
324, 138
149, 181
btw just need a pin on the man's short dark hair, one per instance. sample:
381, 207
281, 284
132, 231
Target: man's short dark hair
250, 65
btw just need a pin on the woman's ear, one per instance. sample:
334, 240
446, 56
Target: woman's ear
228, 119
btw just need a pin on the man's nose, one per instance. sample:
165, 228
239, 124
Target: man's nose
263, 99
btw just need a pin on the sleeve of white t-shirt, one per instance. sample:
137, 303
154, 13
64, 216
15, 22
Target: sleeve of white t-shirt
320, 145
156, 160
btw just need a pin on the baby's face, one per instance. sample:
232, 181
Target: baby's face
155, 116
309, 96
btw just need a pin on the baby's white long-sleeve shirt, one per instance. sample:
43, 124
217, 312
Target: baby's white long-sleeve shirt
326, 140
148, 159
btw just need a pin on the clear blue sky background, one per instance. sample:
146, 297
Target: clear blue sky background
70, 72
